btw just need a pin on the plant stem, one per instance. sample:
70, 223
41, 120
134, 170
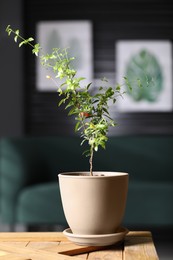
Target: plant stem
93, 117
23, 39
91, 160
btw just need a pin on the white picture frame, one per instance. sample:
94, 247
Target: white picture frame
162, 51
76, 35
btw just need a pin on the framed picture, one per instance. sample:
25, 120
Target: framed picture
151, 62
101, 41
64, 34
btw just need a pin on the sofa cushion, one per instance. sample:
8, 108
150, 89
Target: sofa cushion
149, 204
27, 162
40, 204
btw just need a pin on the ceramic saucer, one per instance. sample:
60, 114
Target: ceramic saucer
96, 240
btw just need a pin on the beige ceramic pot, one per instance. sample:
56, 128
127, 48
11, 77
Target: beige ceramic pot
94, 204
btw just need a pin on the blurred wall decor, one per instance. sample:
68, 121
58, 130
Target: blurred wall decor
76, 36
112, 21
151, 62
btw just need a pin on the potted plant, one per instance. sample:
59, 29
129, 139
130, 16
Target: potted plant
93, 202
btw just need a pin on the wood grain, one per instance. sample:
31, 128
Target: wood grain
54, 245
30, 253
139, 248
32, 236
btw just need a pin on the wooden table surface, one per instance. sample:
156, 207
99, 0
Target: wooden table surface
54, 245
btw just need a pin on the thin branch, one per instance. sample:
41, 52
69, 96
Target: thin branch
91, 160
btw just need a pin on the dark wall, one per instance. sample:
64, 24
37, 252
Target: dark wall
111, 21
11, 75
23, 110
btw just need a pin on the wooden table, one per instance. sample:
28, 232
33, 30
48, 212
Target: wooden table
54, 245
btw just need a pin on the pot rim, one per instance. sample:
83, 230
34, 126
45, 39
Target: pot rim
97, 174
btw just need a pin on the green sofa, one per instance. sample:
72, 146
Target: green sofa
29, 190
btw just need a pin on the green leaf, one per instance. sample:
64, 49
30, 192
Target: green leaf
77, 126
15, 38
36, 49
88, 86
86, 153
96, 148
80, 79
30, 40
83, 141
118, 87
8, 30
21, 43
69, 105
105, 110
72, 112
17, 32
61, 102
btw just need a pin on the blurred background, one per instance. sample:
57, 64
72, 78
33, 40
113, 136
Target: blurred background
30, 108
111, 38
